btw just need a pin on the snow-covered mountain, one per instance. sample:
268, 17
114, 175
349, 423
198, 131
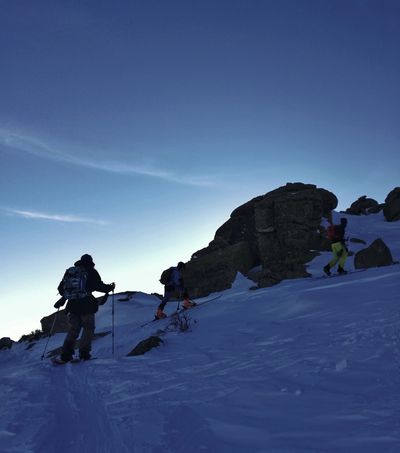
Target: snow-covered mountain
309, 365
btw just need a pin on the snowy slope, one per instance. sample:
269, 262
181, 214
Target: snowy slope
309, 365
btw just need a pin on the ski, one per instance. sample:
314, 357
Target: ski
58, 361
168, 316
337, 275
181, 310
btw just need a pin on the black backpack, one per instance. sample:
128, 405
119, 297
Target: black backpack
166, 276
74, 283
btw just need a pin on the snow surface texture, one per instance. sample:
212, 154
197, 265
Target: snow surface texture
309, 365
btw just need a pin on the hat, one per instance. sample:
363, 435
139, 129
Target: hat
87, 259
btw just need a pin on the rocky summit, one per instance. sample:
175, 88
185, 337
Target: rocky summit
268, 239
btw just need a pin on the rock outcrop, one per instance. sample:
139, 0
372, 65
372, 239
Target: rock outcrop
376, 255
276, 234
146, 345
364, 205
391, 210
6, 343
60, 324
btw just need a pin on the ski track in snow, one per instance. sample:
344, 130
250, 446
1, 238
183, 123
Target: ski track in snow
304, 366
60, 401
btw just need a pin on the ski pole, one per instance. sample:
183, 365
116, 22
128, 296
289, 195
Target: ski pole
51, 332
113, 324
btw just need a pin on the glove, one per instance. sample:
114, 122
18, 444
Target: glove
111, 286
60, 302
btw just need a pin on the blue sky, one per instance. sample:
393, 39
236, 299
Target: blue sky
131, 130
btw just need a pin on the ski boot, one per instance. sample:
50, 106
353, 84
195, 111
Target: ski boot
188, 304
58, 361
341, 271
64, 358
327, 270
84, 355
160, 314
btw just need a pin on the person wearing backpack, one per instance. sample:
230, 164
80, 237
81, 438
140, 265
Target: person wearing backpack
77, 285
173, 283
336, 234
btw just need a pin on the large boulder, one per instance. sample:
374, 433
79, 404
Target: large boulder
216, 270
391, 210
364, 205
276, 233
376, 255
60, 323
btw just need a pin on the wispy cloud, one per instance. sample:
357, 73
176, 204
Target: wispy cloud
42, 150
36, 215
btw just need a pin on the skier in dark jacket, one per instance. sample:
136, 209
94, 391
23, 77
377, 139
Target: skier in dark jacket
174, 286
81, 311
339, 248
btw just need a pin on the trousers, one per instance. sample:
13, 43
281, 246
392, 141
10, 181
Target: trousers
78, 322
339, 254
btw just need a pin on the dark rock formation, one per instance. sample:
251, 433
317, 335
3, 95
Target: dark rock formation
60, 325
364, 205
278, 233
6, 343
391, 210
145, 345
376, 255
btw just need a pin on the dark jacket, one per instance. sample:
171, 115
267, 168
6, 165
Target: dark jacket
94, 283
